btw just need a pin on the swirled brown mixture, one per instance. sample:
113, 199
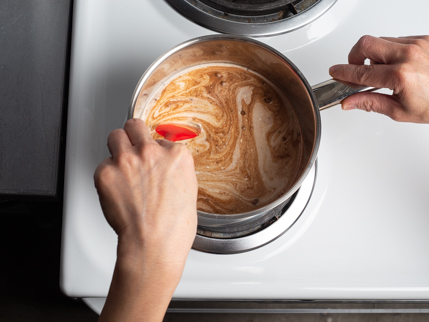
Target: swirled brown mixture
250, 146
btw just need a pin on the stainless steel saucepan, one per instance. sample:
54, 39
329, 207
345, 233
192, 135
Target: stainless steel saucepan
307, 102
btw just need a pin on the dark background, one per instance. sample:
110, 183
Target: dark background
34, 64
30, 248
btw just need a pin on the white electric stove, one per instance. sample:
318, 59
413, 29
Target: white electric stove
363, 234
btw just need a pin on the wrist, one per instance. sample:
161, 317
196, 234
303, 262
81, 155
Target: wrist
145, 262
139, 288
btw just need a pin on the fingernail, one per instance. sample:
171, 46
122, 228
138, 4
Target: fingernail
333, 69
347, 107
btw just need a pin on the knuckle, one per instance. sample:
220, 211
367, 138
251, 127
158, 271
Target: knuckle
401, 74
127, 160
114, 133
425, 38
367, 105
412, 52
363, 73
103, 176
365, 42
421, 42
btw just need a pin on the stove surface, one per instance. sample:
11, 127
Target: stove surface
363, 235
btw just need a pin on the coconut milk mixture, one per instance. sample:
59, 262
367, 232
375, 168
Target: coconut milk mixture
250, 146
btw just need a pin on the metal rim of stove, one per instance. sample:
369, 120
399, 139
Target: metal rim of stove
268, 234
256, 26
254, 7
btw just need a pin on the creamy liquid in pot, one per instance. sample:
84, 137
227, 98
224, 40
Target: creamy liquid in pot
250, 146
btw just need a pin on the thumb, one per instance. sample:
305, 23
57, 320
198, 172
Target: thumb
374, 102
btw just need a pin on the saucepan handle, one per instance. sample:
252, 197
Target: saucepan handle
332, 92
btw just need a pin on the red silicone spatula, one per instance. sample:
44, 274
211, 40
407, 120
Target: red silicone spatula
177, 132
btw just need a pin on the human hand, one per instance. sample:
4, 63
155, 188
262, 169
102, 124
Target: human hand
148, 193
400, 64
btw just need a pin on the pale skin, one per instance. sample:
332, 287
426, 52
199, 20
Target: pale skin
148, 189
400, 64
148, 193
